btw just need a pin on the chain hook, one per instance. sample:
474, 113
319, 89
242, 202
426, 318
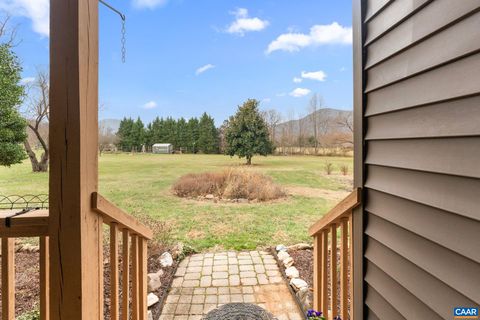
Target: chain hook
124, 31
124, 40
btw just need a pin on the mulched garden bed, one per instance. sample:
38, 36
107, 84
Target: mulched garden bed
27, 282
303, 261
166, 278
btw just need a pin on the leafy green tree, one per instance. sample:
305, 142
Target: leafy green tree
246, 133
208, 138
12, 125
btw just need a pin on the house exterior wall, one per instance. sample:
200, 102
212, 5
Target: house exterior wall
417, 127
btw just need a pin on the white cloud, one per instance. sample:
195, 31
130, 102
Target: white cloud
27, 80
332, 33
297, 80
148, 4
281, 94
300, 92
150, 105
244, 24
204, 68
35, 10
240, 13
315, 75
267, 100
342, 69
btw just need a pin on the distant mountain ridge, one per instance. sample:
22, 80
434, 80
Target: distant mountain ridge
329, 120
109, 124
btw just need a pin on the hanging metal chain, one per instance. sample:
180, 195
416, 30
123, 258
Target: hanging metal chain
124, 41
124, 18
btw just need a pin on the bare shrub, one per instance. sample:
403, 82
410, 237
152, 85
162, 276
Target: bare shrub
344, 169
162, 230
328, 168
229, 184
194, 185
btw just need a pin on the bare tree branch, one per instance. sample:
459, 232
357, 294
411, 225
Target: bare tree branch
8, 34
37, 113
273, 118
345, 120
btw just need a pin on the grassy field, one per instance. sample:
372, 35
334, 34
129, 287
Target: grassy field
141, 184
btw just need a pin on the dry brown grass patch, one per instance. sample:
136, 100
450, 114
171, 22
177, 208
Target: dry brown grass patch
229, 184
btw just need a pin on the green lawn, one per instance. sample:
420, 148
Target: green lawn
141, 185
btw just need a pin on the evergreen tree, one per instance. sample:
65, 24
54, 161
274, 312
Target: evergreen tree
12, 125
208, 138
124, 134
138, 134
192, 135
155, 131
149, 136
170, 132
182, 134
246, 133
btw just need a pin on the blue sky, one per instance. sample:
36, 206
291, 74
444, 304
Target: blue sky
189, 56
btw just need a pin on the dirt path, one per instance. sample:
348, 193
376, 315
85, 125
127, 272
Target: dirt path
330, 195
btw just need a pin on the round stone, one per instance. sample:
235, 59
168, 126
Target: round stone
283, 255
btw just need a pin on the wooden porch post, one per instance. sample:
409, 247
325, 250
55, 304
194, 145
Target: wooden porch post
75, 230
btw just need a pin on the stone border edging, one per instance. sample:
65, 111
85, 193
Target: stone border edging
297, 286
164, 297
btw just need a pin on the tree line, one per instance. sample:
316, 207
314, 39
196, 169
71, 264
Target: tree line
195, 135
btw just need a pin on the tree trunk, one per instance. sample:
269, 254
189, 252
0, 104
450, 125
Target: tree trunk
31, 155
41, 166
249, 160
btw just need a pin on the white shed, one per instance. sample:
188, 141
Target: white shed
164, 148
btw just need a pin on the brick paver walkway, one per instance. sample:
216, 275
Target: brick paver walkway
206, 281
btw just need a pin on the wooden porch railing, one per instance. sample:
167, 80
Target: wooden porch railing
29, 225
134, 259
332, 289
134, 254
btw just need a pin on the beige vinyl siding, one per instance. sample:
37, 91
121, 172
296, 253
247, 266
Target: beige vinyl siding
421, 164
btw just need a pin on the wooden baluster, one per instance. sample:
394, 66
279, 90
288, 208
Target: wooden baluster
114, 271
44, 279
317, 272
101, 270
125, 275
344, 269
142, 257
134, 276
324, 293
333, 269
350, 263
8, 278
